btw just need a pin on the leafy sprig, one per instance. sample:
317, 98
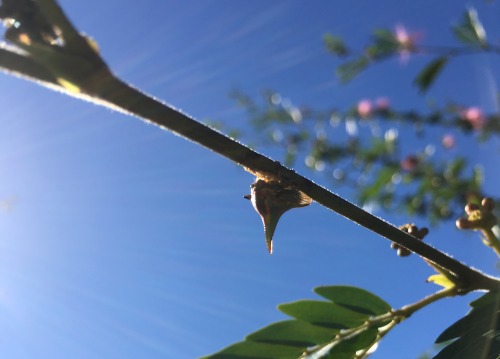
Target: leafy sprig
386, 44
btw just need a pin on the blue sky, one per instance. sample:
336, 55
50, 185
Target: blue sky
124, 241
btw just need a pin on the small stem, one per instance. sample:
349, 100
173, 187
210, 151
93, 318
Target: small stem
491, 240
382, 333
456, 51
401, 314
408, 310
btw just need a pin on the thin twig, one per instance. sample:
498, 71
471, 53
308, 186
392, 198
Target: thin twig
491, 240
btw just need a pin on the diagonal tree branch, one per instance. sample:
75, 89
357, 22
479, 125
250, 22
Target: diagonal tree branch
92, 80
16, 64
134, 102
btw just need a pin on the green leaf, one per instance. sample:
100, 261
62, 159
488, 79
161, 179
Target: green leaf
255, 350
477, 334
376, 189
317, 330
350, 69
477, 177
486, 299
292, 333
484, 347
385, 43
347, 348
455, 167
335, 45
384, 37
480, 320
356, 299
430, 72
471, 31
324, 314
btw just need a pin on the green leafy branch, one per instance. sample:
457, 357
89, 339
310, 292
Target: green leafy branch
349, 325
274, 110
369, 157
388, 44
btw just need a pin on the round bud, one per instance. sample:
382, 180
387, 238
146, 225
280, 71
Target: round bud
403, 252
488, 203
462, 223
470, 207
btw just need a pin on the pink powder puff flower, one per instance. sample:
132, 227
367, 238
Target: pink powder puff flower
448, 141
406, 41
364, 108
474, 116
410, 163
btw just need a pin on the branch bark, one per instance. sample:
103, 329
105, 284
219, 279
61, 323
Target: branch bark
93, 81
136, 103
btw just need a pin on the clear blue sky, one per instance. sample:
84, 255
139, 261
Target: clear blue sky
125, 241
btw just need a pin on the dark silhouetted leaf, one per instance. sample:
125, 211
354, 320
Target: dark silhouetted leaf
487, 299
477, 334
355, 299
429, 74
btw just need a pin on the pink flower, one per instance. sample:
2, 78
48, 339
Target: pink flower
382, 104
474, 116
448, 141
364, 108
402, 36
409, 163
405, 40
